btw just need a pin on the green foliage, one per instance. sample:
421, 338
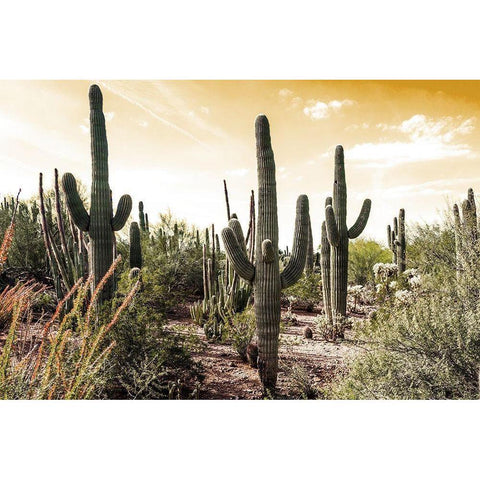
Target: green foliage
240, 331
424, 340
363, 255
307, 292
172, 273
149, 361
27, 251
431, 248
299, 383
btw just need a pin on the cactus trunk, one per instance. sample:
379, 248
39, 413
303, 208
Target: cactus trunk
100, 223
265, 274
338, 236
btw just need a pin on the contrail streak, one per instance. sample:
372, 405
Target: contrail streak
154, 115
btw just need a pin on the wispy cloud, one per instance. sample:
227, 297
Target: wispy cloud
417, 139
313, 108
434, 187
318, 110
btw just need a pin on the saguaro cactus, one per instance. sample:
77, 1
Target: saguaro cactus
326, 271
100, 222
339, 234
135, 246
141, 216
397, 241
466, 233
265, 273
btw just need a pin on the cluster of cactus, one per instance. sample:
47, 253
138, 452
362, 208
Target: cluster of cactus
264, 273
334, 246
466, 234
100, 223
209, 313
65, 246
225, 293
397, 241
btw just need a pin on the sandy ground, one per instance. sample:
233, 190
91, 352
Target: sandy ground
314, 361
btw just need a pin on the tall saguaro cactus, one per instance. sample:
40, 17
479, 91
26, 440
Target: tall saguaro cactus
466, 234
339, 234
397, 241
265, 273
100, 223
135, 246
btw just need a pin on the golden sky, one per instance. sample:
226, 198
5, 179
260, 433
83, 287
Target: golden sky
408, 144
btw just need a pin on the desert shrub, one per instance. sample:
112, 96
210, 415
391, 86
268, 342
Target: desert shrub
65, 360
299, 383
240, 331
431, 248
306, 293
27, 251
423, 342
172, 263
148, 359
363, 254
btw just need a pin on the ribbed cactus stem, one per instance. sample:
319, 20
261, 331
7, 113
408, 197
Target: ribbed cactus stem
100, 223
401, 250
326, 274
338, 236
466, 233
141, 216
135, 246
265, 275
310, 258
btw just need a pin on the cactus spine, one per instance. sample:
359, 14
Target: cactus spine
339, 235
265, 274
100, 222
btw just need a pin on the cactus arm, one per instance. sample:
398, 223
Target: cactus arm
236, 256
389, 237
309, 262
74, 203
326, 272
268, 252
362, 220
124, 208
235, 225
296, 265
332, 228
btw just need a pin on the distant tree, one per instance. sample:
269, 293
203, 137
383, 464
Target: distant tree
363, 254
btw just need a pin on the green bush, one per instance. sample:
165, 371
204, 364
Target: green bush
424, 340
240, 331
362, 256
149, 360
306, 293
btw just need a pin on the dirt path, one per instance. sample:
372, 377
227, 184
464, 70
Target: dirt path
302, 362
